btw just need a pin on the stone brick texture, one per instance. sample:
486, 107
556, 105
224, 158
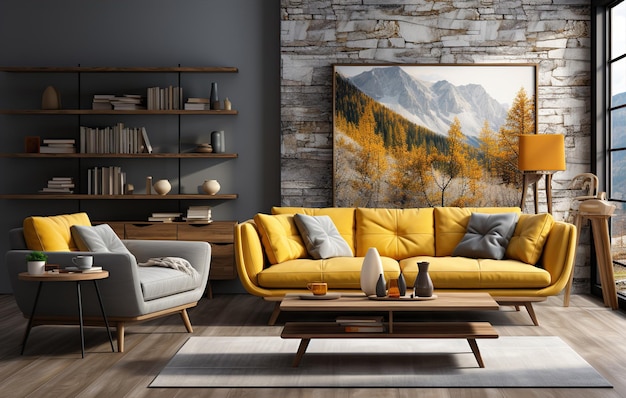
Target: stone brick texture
554, 34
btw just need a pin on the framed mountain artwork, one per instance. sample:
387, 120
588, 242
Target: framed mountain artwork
430, 135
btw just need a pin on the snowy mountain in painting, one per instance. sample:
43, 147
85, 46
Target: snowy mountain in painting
434, 105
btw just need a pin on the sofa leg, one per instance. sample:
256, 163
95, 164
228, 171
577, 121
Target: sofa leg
531, 312
120, 336
275, 313
186, 321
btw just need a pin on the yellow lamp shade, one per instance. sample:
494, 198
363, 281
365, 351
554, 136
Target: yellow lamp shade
541, 152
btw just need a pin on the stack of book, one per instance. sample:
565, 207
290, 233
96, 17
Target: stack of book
197, 104
128, 102
198, 214
167, 98
108, 180
362, 324
102, 101
52, 145
164, 217
59, 185
124, 102
114, 139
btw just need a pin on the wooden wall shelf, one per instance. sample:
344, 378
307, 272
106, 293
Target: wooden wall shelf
77, 196
188, 155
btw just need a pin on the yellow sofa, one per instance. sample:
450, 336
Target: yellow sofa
273, 261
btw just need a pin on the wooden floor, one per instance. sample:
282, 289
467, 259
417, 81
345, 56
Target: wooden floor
52, 367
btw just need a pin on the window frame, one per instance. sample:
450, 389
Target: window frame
601, 142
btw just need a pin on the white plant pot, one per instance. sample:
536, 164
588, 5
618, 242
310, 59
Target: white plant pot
371, 269
36, 267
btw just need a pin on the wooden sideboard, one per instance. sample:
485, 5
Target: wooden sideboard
220, 234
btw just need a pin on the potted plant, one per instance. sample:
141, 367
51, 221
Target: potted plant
36, 262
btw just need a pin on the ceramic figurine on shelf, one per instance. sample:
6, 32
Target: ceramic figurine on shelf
211, 187
162, 187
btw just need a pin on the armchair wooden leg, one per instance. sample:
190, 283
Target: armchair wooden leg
186, 320
120, 336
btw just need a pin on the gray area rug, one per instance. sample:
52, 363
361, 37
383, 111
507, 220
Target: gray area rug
265, 361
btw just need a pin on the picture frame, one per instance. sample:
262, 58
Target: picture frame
424, 135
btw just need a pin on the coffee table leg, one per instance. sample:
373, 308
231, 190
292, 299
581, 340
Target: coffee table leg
304, 344
80, 320
32, 315
474, 346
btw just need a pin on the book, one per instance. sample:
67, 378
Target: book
59, 141
167, 214
359, 320
365, 329
146, 141
56, 149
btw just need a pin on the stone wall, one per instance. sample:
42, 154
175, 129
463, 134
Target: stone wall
555, 34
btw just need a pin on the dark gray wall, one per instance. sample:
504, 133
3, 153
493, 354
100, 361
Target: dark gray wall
240, 33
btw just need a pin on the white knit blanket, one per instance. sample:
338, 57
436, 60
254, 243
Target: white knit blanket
176, 263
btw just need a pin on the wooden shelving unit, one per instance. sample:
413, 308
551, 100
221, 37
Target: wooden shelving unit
97, 69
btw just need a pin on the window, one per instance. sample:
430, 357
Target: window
611, 128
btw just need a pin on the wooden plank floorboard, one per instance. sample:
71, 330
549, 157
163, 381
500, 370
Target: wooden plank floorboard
52, 367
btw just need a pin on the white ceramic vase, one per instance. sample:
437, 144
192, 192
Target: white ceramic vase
371, 270
211, 187
36, 267
162, 187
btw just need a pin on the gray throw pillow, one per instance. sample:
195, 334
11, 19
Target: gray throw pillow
321, 237
99, 238
487, 236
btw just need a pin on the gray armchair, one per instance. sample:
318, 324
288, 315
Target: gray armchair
130, 294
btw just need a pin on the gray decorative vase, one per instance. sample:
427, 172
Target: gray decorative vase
402, 284
218, 142
423, 284
381, 289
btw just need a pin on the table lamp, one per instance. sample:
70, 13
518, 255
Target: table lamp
540, 155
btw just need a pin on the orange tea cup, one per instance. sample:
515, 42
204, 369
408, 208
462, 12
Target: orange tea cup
318, 288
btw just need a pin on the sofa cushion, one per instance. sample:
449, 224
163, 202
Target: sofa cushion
158, 282
395, 233
321, 238
280, 237
487, 236
467, 273
53, 233
338, 272
451, 225
529, 237
343, 218
98, 238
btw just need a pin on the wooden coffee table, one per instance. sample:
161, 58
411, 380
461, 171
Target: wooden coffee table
415, 330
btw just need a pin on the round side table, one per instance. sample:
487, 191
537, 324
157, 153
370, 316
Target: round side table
78, 277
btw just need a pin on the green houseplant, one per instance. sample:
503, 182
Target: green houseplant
36, 262
36, 256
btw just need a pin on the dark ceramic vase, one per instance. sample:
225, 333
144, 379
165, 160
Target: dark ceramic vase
381, 289
402, 284
423, 283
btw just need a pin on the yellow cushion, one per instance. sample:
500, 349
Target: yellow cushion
280, 236
529, 237
395, 233
451, 225
338, 272
343, 218
53, 233
469, 273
